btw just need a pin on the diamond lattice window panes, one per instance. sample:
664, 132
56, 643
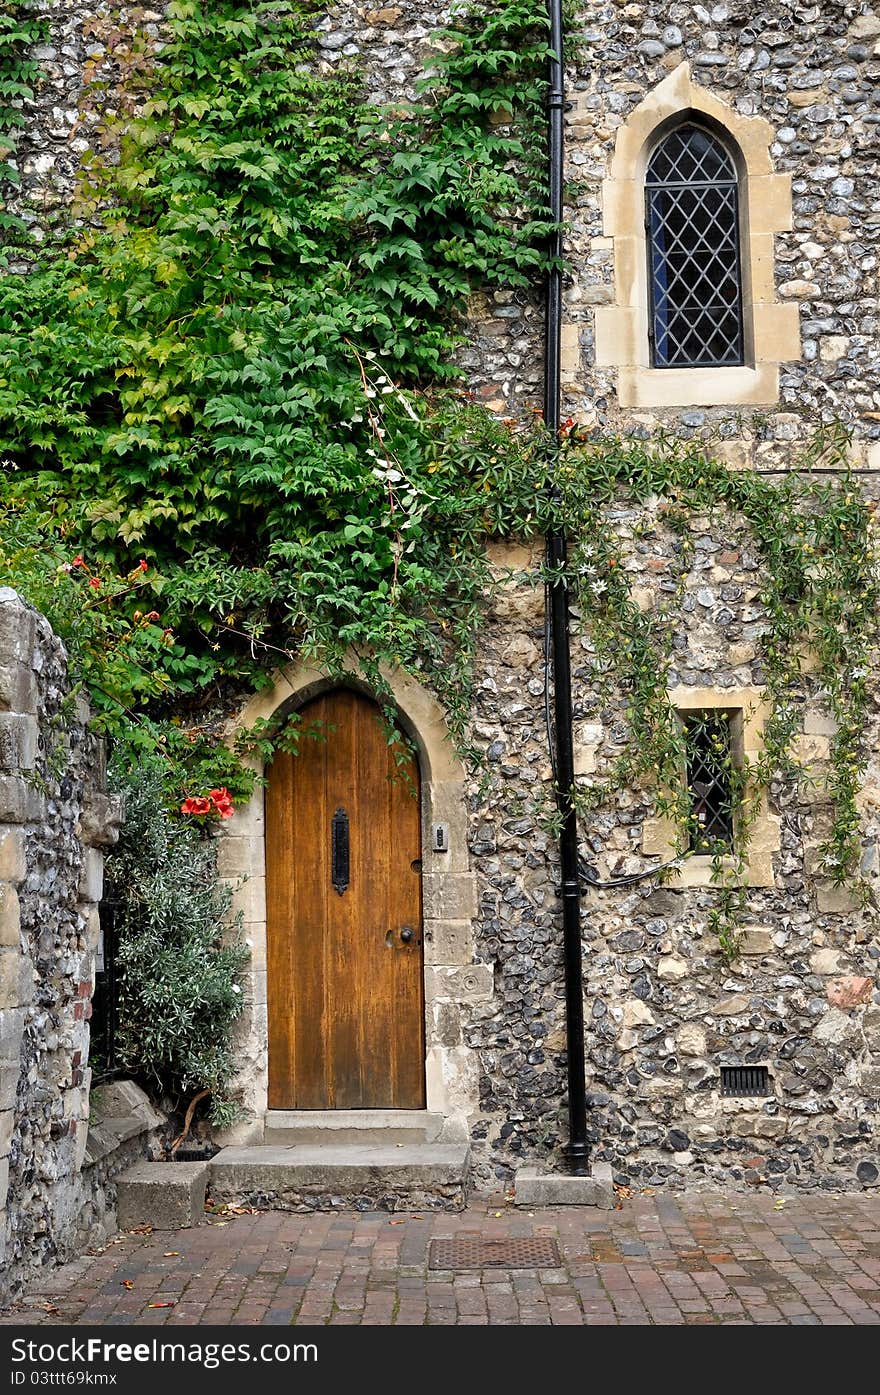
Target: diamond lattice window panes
708, 747
692, 221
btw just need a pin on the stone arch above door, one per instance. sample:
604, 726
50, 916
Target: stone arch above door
452, 977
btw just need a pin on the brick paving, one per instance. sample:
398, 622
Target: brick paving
682, 1260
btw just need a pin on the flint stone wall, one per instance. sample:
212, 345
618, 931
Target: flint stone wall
55, 818
663, 1009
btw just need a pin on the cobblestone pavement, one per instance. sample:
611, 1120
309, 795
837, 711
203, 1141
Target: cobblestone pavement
703, 1259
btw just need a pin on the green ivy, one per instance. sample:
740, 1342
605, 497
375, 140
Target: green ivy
20, 30
237, 371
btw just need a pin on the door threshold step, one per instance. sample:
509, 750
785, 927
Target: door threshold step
392, 1126
335, 1176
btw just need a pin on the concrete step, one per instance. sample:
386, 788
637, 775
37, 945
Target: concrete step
165, 1195
534, 1187
285, 1127
331, 1176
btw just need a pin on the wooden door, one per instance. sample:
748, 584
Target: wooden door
344, 928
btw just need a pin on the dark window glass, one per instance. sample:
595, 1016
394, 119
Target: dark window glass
692, 221
709, 783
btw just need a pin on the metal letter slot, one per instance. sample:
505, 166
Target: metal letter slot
340, 851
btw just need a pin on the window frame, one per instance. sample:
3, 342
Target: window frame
651, 193
687, 719
749, 713
772, 328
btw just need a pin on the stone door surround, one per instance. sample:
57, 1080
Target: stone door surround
452, 976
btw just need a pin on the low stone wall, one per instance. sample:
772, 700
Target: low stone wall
55, 818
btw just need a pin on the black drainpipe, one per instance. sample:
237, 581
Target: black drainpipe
576, 1152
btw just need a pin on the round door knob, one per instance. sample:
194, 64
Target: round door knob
406, 934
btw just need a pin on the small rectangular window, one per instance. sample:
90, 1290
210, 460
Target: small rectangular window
710, 782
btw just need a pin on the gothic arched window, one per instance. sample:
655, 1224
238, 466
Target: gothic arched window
692, 221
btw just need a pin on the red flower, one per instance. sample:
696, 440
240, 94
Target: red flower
222, 802
95, 581
197, 806
78, 561
141, 566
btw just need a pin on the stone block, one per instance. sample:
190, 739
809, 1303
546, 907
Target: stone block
248, 821
452, 1080
249, 898
16, 630
240, 857
101, 819
445, 804
449, 896
411, 1172
637, 1014
19, 801
818, 723
10, 917
756, 940
18, 741
91, 881
836, 1028
449, 942
11, 1028
10, 1074
18, 688
7, 1119
119, 1099
467, 984
4, 1182
13, 864
92, 925
445, 1023
535, 1188
835, 900
165, 1195
759, 1125
16, 978
255, 987
82, 1139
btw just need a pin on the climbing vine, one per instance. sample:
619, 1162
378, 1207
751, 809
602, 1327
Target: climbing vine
818, 599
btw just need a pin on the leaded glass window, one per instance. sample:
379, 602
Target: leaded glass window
708, 746
692, 220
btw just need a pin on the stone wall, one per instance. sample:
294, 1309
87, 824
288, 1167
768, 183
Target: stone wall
55, 819
663, 1007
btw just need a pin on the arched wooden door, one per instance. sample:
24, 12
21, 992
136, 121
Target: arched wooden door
344, 926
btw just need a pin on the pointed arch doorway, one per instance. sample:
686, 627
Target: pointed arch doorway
345, 986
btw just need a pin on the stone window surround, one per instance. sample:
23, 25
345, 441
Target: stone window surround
659, 833
452, 976
772, 330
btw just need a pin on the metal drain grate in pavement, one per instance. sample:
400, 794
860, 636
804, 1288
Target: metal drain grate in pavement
474, 1252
